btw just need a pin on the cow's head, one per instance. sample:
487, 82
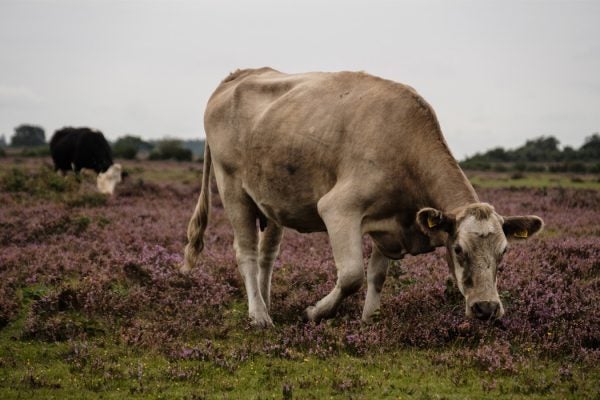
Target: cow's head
476, 238
107, 181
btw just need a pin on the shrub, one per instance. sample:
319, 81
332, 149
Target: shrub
127, 147
500, 168
43, 182
576, 167
8, 304
571, 166
475, 165
126, 152
520, 166
557, 168
14, 181
93, 199
37, 151
171, 149
535, 168
58, 317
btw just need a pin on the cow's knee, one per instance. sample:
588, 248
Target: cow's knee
351, 281
377, 280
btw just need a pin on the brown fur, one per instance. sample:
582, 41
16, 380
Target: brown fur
347, 153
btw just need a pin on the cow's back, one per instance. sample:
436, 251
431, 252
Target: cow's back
80, 148
59, 135
62, 148
291, 138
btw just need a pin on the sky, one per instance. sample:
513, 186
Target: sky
496, 72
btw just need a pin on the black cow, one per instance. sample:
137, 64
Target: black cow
77, 148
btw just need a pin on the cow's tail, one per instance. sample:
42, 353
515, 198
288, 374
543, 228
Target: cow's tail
199, 220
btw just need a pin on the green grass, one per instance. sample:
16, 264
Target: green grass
16, 173
532, 180
104, 367
190, 173
88, 369
164, 171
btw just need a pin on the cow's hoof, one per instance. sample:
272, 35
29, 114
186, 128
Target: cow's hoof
372, 318
261, 320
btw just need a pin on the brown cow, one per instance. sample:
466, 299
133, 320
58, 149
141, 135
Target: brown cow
353, 155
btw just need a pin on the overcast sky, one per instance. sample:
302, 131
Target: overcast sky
496, 72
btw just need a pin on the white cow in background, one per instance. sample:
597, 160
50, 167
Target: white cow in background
108, 180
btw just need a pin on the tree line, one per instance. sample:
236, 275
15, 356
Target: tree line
31, 140
542, 154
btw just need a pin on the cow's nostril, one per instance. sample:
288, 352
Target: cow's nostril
485, 309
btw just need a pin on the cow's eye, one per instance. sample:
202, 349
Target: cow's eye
458, 249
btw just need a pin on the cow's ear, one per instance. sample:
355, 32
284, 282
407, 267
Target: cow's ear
522, 227
433, 222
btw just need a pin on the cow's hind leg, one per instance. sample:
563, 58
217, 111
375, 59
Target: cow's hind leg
268, 247
376, 274
243, 220
242, 214
343, 227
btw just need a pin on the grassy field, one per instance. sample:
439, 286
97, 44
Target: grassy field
97, 369
533, 180
105, 368
92, 305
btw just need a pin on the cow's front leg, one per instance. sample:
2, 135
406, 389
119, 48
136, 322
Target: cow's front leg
376, 273
345, 236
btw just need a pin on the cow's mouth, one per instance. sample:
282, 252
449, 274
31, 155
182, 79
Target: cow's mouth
485, 310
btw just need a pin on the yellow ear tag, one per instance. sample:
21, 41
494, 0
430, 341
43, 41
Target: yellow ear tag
431, 222
521, 234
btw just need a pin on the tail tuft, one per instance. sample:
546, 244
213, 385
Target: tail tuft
199, 220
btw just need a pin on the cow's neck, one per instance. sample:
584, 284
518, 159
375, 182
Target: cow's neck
444, 188
447, 186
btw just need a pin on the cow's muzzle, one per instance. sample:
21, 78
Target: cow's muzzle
486, 310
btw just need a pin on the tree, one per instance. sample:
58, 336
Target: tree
171, 149
128, 146
539, 149
196, 146
28, 135
590, 150
569, 154
540, 154
2, 141
498, 154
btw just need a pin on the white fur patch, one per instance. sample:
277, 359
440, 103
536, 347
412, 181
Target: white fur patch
477, 227
472, 230
458, 272
107, 181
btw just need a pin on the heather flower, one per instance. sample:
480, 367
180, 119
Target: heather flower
94, 268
